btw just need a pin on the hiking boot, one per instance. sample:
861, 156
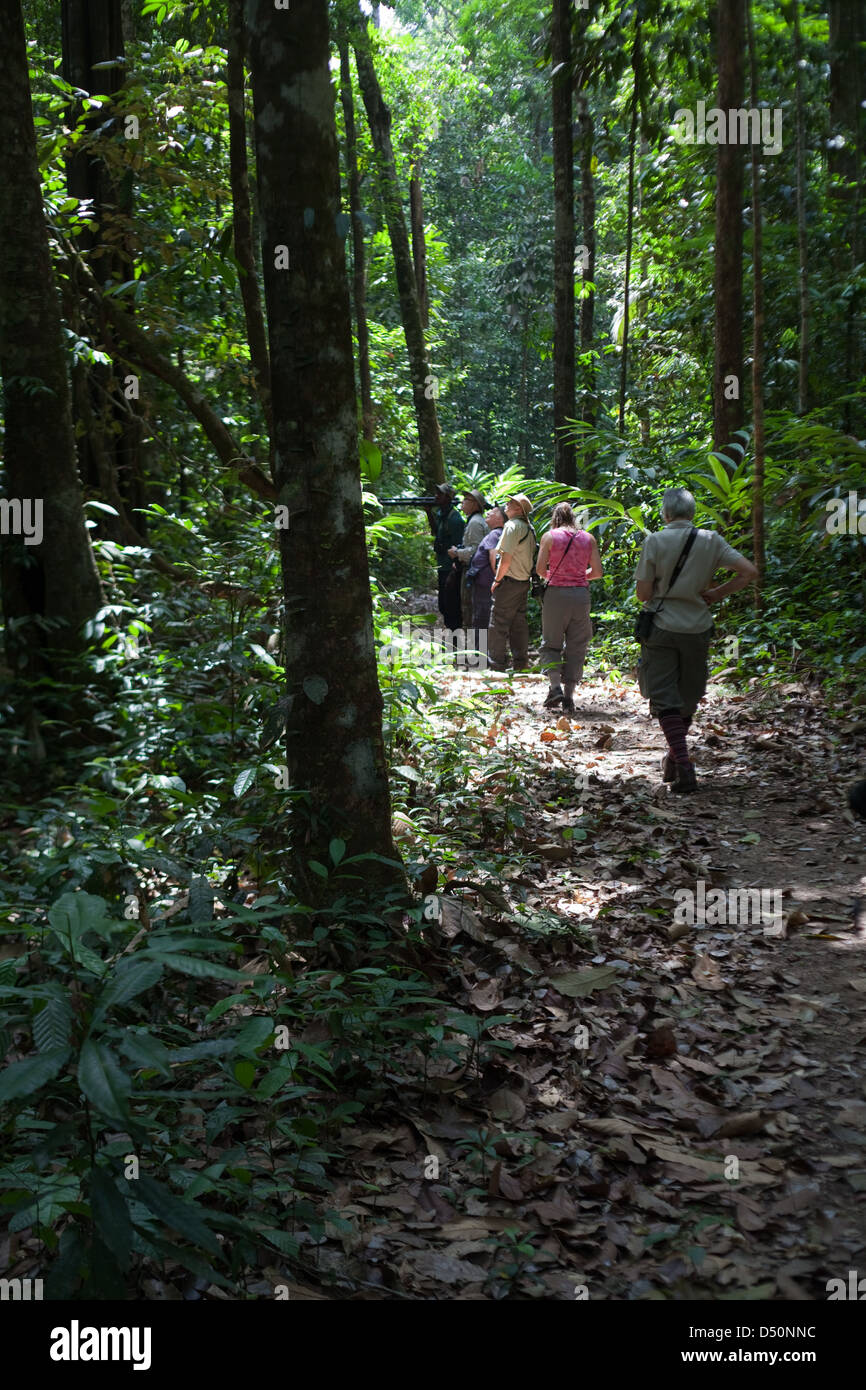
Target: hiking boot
554, 698
567, 705
669, 769
685, 780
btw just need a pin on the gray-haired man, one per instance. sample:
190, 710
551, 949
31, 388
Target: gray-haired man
673, 666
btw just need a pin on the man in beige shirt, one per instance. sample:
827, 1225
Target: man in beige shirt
674, 659
515, 553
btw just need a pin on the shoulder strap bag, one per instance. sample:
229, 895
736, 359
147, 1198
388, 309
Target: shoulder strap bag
543, 584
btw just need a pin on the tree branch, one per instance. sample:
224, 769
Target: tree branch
143, 352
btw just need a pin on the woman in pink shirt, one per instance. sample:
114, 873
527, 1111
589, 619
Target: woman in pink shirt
568, 558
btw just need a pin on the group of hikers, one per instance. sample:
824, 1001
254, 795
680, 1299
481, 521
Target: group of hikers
487, 564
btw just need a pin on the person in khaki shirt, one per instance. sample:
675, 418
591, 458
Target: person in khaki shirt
515, 552
475, 530
673, 667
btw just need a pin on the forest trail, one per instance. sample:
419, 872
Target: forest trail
703, 1137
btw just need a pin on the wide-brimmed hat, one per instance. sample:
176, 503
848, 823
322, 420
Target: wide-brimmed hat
478, 496
446, 490
523, 503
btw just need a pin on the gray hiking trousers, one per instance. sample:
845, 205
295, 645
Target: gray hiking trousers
567, 632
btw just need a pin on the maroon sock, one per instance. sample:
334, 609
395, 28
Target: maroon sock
674, 729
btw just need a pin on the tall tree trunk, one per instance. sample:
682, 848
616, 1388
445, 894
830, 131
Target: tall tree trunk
587, 303
564, 400
109, 444
757, 331
55, 578
359, 260
431, 462
241, 216
632, 140
335, 750
847, 55
802, 251
728, 275
419, 246
523, 405
643, 409
847, 71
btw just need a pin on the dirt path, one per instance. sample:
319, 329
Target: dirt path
682, 1113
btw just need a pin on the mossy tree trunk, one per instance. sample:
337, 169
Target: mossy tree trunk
335, 749
50, 587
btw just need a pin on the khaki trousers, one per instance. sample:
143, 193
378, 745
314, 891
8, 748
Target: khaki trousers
673, 670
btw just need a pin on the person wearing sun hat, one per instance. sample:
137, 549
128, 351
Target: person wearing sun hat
515, 553
472, 507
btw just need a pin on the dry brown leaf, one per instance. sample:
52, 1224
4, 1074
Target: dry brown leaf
661, 1042
507, 1105
707, 975
502, 1184
751, 1122
578, 983
486, 996
432, 1264
457, 917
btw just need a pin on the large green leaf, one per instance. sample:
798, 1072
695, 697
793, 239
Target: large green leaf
130, 977
253, 1033
181, 1216
201, 895
371, 460
76, 914
53, 1024
280, 1075
146, 1051
103, 1080
25, 1078
110, 1215
244, 780
201, 969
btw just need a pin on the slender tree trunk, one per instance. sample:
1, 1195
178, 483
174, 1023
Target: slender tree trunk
55, 578
564, 400
523, 407
587, 303
757, 332
419, 246
802, 250
431, 462
109, 445
335, 750
642, 408
847, 96
847, 69
359, 260
728, 278
241, 215
127, 18
632, 140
